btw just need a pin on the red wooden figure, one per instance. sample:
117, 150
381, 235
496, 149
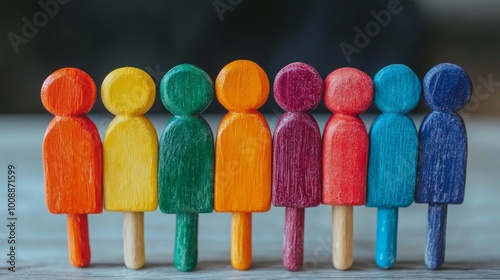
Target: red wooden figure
348, 93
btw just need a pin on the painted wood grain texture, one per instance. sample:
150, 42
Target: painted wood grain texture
78, 239
386, 245
186, 242
130, 143
473, 243
72, 156
435, 246
293, 238
242, 153
393, 155
443, 152
348, 93
298, 89
186, 158
130, 155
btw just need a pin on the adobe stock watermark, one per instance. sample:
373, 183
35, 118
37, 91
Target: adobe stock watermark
29, 29
482, 92
155, 73
322, 253
362, 38
223, 6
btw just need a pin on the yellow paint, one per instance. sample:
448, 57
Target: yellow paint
243, 143
130, 147
128, 91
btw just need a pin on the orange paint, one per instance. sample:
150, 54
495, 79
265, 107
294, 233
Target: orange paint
78, 240
242, 153
243, 164
72, 160
241, 240
72, 156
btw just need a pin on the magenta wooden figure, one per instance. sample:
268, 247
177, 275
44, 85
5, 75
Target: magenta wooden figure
296, 154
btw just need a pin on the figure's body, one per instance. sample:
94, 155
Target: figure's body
443, 153
296, 154
393, 155
186, 158
452, 155
72, 157
130, 156
242, 154
348, 93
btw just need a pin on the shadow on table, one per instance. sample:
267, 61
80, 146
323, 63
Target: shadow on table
361, 265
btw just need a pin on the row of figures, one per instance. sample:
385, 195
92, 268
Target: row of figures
247, 168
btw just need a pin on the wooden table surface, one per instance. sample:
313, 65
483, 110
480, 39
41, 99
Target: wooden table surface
473, 238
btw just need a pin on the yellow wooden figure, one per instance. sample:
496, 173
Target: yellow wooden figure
242, 154
130, 153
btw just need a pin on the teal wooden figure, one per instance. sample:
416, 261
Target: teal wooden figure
186, 158
393, 157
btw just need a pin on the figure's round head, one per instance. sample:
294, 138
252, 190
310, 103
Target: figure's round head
128, 91
186, 90
348, 91
298, 88
397, 89
447, 88
68, 92
242, 85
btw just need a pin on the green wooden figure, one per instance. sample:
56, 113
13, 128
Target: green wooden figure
186, 158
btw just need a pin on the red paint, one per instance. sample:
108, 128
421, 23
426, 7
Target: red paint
348, 92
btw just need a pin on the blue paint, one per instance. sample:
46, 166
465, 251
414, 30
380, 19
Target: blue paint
393, 157
443, 152
447, 88
397, 89
443, 159
392, 164
436, 236
386, 247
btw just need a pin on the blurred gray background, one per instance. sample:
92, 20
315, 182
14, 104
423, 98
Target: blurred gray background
100, 36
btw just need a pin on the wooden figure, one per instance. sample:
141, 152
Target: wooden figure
443, 153
348, 93
186, 159
242, 154
130, 156
392, 164
296, 154
72, 157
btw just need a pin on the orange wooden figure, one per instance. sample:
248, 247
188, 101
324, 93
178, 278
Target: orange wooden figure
242, 154
72, 157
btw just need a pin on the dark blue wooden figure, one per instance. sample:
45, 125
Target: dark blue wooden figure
443, 153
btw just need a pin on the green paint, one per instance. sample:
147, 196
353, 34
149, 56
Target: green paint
186, 158
186, 167
186, 90
186, 242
